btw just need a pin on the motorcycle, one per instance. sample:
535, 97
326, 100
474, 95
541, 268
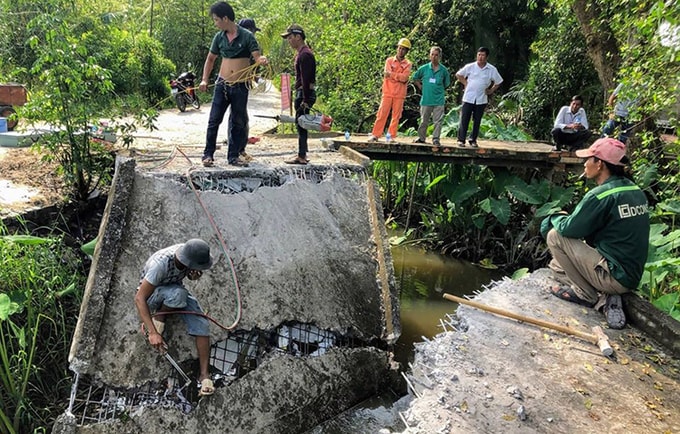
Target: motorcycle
184, 92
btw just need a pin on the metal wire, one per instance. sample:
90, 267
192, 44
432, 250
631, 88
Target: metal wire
230, 359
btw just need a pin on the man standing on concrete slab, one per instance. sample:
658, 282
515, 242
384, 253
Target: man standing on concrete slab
480, 79
571, 125
613, 220
161, 292
235, 46
432, 79
305, 85
395, 80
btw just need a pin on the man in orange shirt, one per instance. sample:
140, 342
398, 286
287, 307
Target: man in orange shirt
396, 75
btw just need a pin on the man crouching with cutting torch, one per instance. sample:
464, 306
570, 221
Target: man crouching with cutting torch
161, 291
599, 251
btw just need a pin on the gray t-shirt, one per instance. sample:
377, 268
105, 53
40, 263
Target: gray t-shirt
160, 268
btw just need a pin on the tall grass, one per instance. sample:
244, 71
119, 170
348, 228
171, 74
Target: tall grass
40, 294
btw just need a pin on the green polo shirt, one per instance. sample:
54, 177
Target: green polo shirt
613, 218
434, 84
241, 47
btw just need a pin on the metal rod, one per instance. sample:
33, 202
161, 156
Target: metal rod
174, 364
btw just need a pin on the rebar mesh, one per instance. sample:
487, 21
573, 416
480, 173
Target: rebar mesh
249, 181
231, 358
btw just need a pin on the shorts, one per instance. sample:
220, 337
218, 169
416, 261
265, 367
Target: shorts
177, 297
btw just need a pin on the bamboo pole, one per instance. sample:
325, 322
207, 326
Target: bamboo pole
598, 337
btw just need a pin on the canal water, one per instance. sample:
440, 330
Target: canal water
422, 277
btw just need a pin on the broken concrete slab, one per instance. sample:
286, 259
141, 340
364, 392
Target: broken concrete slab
308, 247
494, 374
285, 394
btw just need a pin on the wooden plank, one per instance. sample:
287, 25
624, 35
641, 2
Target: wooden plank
489, 153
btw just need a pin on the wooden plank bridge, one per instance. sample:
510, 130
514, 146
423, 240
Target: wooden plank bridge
488, 153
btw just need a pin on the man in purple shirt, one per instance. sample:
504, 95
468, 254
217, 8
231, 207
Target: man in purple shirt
305, 83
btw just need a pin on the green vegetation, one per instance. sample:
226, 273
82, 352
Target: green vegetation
85, 61
40, 294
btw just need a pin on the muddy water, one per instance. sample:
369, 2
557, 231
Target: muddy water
422, 277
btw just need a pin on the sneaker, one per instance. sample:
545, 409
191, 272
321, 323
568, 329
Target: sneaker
238, 162
208, 162
461, 143
473, 143
436, 142
419, 141
246, 157
372, 138
613, 312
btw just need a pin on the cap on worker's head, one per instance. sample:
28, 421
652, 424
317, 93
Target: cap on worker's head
195, 254
606, 149
403, 42
249, 24
293, 29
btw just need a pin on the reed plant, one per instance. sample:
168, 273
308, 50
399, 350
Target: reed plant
40, 295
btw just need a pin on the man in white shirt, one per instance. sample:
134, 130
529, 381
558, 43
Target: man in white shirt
571, 126
480, 79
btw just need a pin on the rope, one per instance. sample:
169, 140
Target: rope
223, 246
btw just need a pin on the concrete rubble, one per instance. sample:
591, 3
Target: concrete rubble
488, 373
310, 256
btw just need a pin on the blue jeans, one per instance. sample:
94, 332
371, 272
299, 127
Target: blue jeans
624, 128
299, 111
225, 95
466, 113
177, 297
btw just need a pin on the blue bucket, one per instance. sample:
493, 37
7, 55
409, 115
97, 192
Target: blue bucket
3, 125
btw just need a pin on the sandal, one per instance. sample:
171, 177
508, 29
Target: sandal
207, 387
613, 312
160, 325
297, 160
567, 293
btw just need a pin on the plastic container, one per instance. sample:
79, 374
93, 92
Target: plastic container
3, 125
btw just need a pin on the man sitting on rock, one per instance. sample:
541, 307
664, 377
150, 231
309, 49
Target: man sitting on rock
600, 250
571, 126
161, 292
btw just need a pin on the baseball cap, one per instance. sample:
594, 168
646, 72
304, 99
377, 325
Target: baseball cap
249, 23
293, 29
606, 149
195, 254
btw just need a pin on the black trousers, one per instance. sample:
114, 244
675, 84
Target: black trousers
571, 140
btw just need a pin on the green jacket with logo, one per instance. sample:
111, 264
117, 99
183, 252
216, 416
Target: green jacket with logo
613, 218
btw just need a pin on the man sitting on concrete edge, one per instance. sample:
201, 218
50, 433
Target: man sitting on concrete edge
613, 220
161, 292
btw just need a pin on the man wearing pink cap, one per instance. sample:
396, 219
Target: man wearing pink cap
613, 220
